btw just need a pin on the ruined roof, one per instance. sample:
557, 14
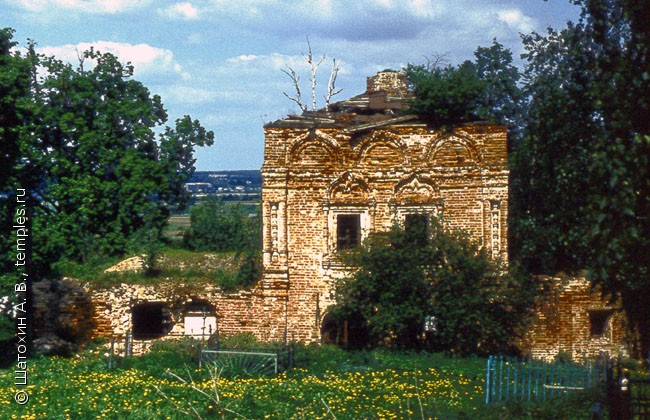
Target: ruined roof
384, 103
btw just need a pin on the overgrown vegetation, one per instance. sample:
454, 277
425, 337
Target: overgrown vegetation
580, 143
327, 383
426, 274
230, 270
486, 89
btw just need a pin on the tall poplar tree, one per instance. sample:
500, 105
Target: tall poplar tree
583, 195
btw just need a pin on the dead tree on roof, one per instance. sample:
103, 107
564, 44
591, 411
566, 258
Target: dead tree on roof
296, 83
314, 64
331, 84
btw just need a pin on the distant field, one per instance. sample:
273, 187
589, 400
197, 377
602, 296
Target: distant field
176, 225
180, 223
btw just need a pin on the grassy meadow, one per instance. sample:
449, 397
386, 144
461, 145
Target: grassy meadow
327, 383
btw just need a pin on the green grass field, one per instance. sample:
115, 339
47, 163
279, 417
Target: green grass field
327, 383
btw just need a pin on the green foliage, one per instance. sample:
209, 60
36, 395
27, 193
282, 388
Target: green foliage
485, 89
576, 406
401, 281
581, 190
7, 328
216, 226
86, 153
147, 242
445, 95
15, 80
503, 100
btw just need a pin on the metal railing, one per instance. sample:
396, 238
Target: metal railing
510, 379
248, 362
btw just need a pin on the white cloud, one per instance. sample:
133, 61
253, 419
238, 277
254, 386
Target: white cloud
189, 95
88, 6
185, 11
242, 58
144, 58
517, 20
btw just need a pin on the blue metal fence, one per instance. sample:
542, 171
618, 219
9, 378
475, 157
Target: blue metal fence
525, 380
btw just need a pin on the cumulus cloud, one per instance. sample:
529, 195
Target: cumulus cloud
517, 20
144, 58
363, 19
185, 11
87, 6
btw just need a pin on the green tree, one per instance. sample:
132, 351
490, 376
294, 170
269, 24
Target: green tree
503, 100
15, 83
89, 158
550, 165
486, 89
216, 226
445, 95
583, 197
401, 281
617, 36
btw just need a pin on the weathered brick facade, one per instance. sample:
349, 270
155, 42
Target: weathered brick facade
573, 319
330, 178
365, 166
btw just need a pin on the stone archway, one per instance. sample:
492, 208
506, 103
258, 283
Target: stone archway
329, 331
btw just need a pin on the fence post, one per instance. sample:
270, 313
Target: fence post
530, 378
110, 355
500, 378
544, 380
537, 373
127, 345
487, 380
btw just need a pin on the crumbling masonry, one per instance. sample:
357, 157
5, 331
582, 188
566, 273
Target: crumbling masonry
330, 178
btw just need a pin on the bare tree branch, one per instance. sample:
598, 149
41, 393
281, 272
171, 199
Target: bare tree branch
314, 64
331, 84
436, 60
296, 84
314, 70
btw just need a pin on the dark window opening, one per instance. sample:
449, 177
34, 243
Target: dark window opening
150, 320
598, 322
417, 227
348, 231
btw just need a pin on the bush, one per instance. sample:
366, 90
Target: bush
404, 279
446, 96
216, 226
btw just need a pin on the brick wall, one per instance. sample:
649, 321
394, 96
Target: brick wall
574, 320
368, 164
310, 175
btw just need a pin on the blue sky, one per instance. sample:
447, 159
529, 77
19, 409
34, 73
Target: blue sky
221, 61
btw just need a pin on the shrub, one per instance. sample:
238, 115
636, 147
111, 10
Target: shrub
216, 226
471, 304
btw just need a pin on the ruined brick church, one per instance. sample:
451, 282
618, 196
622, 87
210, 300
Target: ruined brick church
330, 178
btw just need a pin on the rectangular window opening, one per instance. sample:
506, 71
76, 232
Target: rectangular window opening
599, 322
348, 231
417, 227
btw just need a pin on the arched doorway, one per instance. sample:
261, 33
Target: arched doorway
329, 331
